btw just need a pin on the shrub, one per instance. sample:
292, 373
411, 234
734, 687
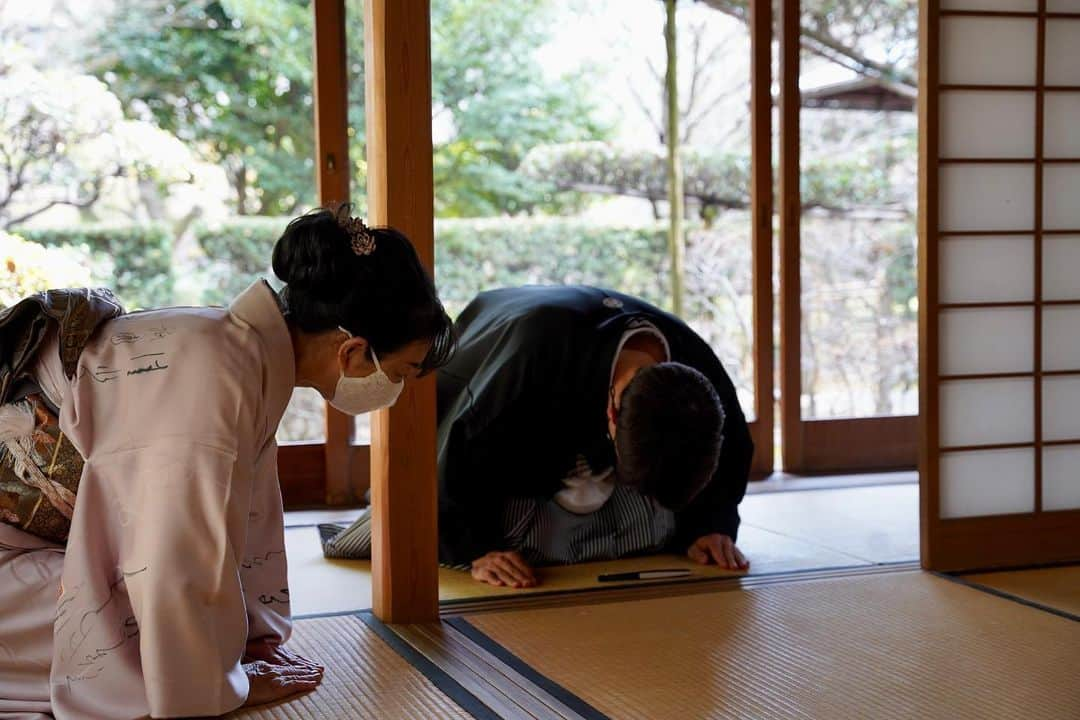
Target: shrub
140, 254
715, 180
237, 252
27, 268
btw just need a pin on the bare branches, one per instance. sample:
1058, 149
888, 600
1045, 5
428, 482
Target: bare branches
818, 41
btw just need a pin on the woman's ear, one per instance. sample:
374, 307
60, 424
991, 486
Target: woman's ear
353, 355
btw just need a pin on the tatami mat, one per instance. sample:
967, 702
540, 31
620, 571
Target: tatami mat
1057, 588
319, 586
365, 678
892, 645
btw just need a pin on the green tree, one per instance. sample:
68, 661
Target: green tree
495, 102
234, 78
230, 77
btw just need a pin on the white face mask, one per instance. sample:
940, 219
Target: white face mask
359, 395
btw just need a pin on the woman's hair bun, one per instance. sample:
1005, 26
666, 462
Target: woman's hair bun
313, 256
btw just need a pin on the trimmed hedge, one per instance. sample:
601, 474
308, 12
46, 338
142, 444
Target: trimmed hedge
237, 251
472, 255
140, 255
716, 180
475, 255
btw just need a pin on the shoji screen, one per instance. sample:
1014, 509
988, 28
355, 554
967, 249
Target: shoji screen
1000, 282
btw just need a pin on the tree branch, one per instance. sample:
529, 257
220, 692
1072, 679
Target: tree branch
80, 204
829, 48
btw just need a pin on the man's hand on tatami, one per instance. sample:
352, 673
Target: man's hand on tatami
507, 569
718, 549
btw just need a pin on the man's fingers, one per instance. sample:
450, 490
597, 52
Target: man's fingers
729, 555
490, 577
716, 552
743, 562
510, 572
519, 562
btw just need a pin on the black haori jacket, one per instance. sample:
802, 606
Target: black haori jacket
527, 391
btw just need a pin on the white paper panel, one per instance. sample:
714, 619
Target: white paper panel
1061, 124
986, 269
987, 412
1061, 408
1062, 52
1061, 478
1061, 196
990, 340
1063, 5
987, 197
987, 124
1008, 5
987, 482
1061, 338
1061, 267
988, 51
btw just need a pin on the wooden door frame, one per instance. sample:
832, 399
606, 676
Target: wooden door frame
828, 445
1020, 539
334, 472
761, 209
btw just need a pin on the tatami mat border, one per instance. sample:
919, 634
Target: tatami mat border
961, 580
578, 705
591, 595
446, 684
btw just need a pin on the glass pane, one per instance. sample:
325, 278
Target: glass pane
550, 163
305, 420
999, 340
987, 412
859, 167
988, 482
987, 269
988, 51
183, 144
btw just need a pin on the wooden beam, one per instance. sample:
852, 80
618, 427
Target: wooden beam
790, 211
332, 178
761, 203
401, 194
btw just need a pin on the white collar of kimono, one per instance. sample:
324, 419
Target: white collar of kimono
258, 307
635, 328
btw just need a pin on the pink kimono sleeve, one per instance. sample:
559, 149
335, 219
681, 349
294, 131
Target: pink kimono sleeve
263, 570
152, 617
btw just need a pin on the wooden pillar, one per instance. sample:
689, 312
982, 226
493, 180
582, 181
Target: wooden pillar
761, 203
401, 194
790, 212
332, 179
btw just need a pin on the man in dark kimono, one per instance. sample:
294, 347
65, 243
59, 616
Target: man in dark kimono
580, 424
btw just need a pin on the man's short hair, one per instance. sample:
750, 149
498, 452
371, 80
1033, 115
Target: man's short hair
668, 433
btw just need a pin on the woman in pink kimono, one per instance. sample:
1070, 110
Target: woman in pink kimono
170, 598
